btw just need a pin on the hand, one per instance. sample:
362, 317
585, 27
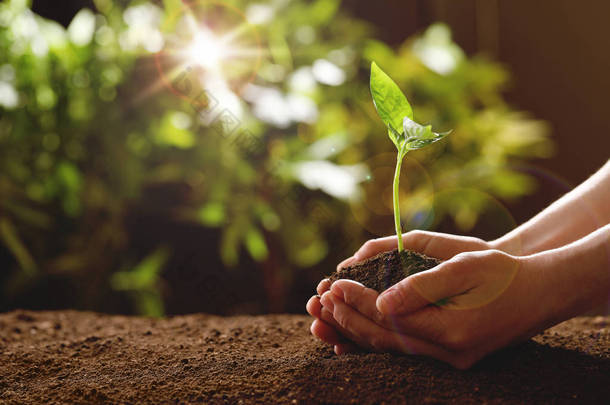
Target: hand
491, 299
433, 244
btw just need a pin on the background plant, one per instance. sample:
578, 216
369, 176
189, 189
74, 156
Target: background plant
103, 171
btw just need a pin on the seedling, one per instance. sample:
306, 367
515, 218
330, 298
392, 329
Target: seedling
407, 135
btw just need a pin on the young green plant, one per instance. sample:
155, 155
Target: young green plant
407, 135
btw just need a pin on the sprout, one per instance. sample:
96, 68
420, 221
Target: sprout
406, 134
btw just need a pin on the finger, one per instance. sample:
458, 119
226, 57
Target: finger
423, 324
326, 333
429, 243
375, 246
346, 262
326, 314
346, 336
331, 302
428, 324
323, 286
359, 297
446, 280
368, 334
314, 307
441, 245
345, 348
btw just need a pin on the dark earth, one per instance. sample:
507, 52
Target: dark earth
386, 269
81, 357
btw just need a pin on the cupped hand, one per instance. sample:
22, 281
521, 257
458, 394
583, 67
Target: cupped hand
458, 312
439, 245
434, 244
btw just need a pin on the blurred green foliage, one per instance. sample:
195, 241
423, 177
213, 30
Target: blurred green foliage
143, 283
86, 126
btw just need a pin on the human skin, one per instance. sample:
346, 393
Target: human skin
495, 288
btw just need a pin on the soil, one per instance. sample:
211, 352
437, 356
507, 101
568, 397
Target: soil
386, 269
79, 357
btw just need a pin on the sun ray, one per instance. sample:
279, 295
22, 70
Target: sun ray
155, 87
207, 50
236, 32
231, 51
245, 53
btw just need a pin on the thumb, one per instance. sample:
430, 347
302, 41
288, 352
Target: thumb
428, 287
441, 245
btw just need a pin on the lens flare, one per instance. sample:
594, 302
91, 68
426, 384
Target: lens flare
207, 50
208, 43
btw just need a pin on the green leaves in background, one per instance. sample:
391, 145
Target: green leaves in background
256, 245
86, 132
143, 283
10, 238
212, 214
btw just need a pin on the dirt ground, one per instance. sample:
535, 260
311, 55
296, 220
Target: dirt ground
76, 357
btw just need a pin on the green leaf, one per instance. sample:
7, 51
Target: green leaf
9, 237
394, 137
256, 245
174, 130
229, 244
417, 136
212, 214
144, 275
391, 104
149, 303
322, 11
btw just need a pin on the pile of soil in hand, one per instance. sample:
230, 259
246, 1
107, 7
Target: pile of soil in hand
386, 269
76, 357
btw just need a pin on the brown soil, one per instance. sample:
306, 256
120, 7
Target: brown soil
386, 269
75, 357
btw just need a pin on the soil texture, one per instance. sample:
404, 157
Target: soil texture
78, 357
386, 269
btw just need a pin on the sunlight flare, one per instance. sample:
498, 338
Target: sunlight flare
207, 50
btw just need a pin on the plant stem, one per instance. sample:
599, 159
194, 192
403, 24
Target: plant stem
396, 201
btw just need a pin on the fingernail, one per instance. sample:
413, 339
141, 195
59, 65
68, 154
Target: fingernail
336, 290
345, 263
326, 315
389, 301
327, 302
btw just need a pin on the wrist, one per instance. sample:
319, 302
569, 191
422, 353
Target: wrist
551, 286
508, 244
575, 277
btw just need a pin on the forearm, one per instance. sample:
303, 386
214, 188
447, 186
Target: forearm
573, 216
577, 276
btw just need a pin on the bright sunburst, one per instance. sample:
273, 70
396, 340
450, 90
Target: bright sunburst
207, 50
212, 41
213, 48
